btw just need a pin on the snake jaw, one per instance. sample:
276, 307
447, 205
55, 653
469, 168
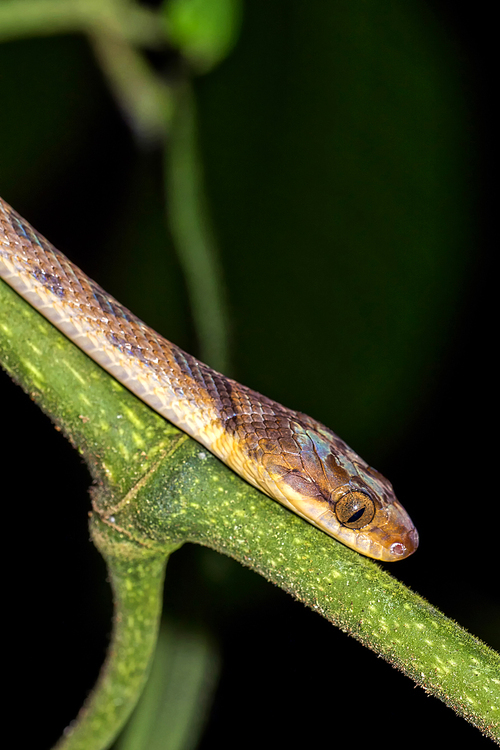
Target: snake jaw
391, 535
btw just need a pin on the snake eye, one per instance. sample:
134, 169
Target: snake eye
355, 510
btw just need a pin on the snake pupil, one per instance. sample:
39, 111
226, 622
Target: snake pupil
356, 516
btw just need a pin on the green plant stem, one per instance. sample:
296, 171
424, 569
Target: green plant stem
30, 18
161, 489
188, 218
144, 98
136, 576
114, 28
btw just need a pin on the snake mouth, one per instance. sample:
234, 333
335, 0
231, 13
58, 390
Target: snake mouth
376, 545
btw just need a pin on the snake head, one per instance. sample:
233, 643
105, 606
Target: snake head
323, 480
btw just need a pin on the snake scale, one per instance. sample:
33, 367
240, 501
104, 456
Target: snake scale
289, 456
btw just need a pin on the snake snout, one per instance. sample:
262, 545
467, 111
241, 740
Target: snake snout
406, 546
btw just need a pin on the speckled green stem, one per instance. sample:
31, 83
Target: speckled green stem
160, 488
137, 582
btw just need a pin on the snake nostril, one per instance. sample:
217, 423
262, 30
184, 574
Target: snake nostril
398, 549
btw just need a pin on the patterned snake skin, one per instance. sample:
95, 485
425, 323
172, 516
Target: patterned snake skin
292, 458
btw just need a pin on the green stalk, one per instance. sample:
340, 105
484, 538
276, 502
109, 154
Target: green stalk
189, 222
161, 489
137, 583
32, 18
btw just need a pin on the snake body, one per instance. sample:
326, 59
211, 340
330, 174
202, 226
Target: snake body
289, 456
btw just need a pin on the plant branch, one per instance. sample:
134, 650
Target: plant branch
137, 582
159, 488
30, 18
189, 221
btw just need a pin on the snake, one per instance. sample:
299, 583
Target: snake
286, 454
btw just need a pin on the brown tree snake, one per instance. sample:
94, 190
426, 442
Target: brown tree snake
289, 456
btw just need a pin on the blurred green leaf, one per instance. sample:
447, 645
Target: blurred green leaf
171, 712
204, 30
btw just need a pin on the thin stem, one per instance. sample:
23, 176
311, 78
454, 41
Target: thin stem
190, 226
31, 18
144, 98
137, 581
